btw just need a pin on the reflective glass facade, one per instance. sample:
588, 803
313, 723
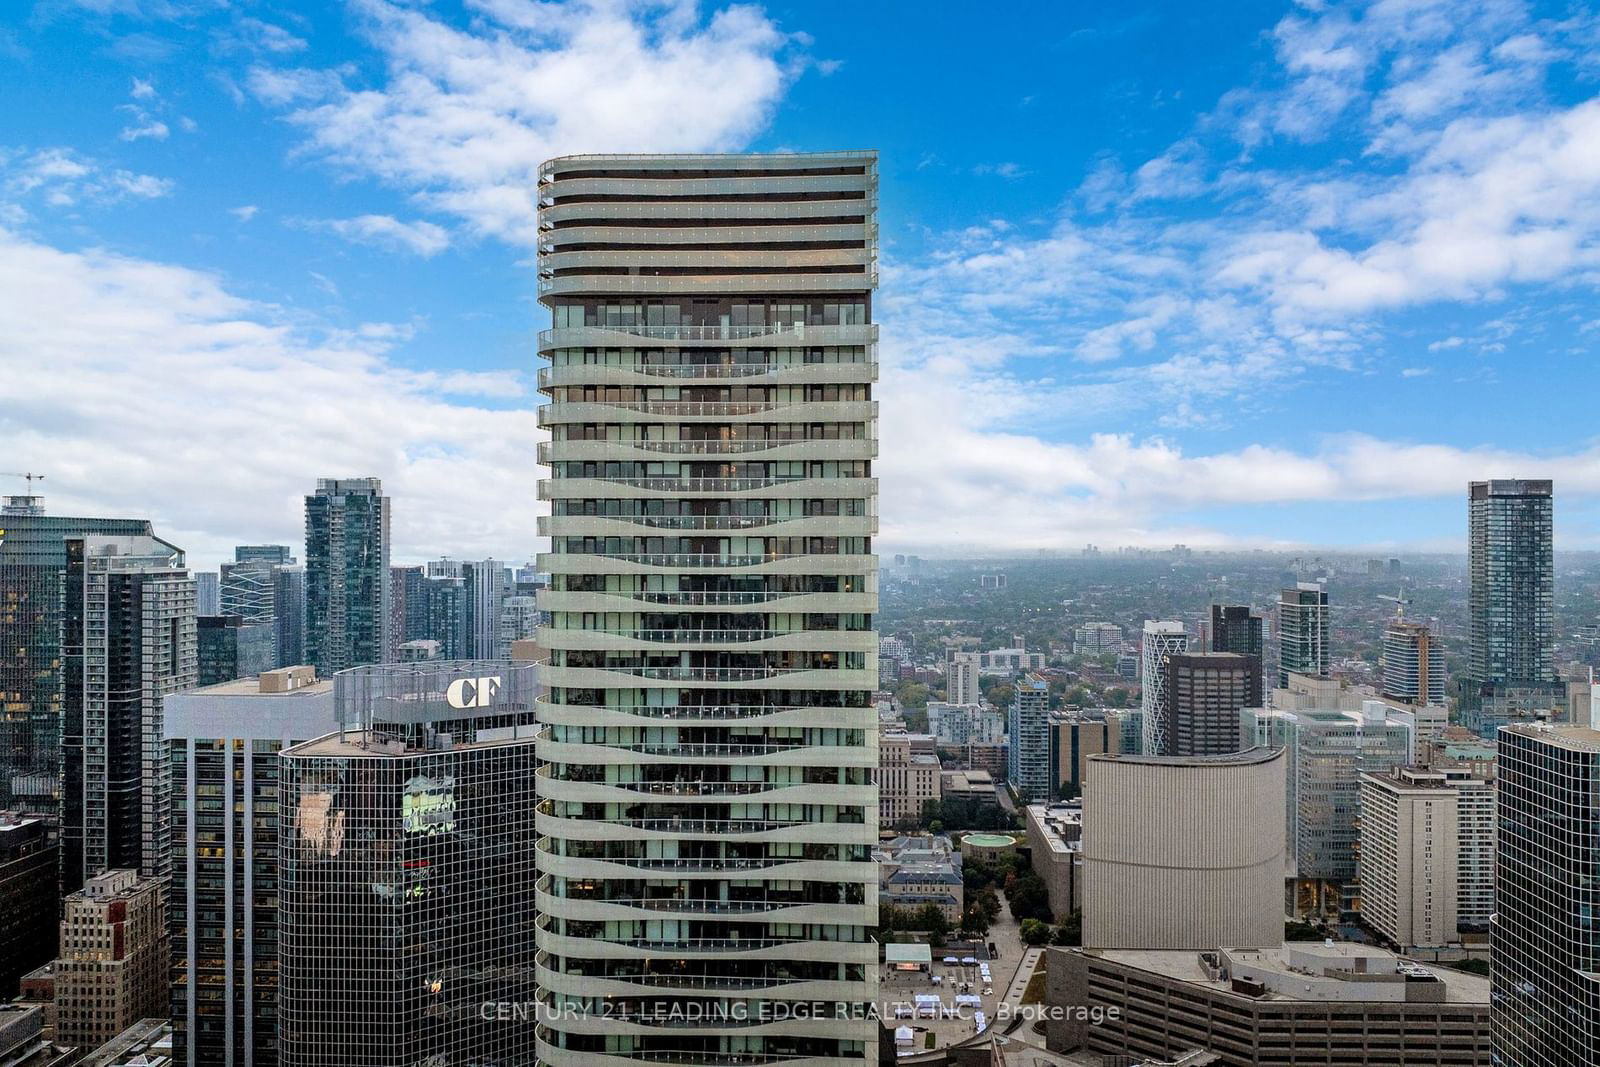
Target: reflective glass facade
347, 575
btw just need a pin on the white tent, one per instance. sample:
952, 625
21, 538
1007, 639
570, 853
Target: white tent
903, 1035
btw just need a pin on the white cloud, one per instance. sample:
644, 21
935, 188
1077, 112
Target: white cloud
61, 178
385, 231
230, 414
153, 129
463, 118
142, 90
244, 212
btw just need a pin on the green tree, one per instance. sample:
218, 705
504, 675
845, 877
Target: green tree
1071, 931
930, 917
1034, 932
1000, 695
1116, 698
912, 696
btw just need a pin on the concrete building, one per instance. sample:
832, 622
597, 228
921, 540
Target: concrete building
519, 621
33, 569
972, 785
406, 863
1237, 628
1413, 664
981, 756
29, 856
207, 593
1511, 620
713, 505
25, 1040
1205, 691
1055, 846
963, 724
907, 780
1183, 852
962, 685
417, 651
487, 582
1095, 638
223, 743
1075, 737
1028, 767
128, 642
347, 575
112, 970
1544, 943
1269, 1006
1303, 635
1160, 640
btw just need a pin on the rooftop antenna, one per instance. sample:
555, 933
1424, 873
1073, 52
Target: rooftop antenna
1399, 600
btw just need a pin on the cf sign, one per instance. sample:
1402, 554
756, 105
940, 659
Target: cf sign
473, 692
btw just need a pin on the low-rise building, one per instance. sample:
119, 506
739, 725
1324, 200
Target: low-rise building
917, 870
147, 1043
976, 786
991, 758
25, 1042
1055, 844
1269, 1006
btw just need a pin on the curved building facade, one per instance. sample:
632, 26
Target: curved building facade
1184, 852
706, 801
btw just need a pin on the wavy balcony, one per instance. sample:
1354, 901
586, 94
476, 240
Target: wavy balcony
569, 375
680, 829
695, 715
700, 260
552, 1056
630, 793
678, 284
558, 412
556, 188
771, 449
647, 639
782, 488
592, 754
684, 335
656, 237
771, 526
764, 601
633, 909
712, 216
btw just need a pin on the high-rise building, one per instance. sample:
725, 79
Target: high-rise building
289, 597
229, 647
1205, 692
29, 858
406, 848
485, 592
223, 742
1544, 943
1093, 638
1413, 664
278, 555
1075, 737
710, 730
112, 970
1160, 640
250, 589
207, 593
907, 780
446, 614
408, 603
1028, 734
1511, 622
519, 621
1302, 632
33, 566
1183, 852
962, 685
347, 574
1236, 628
128, 641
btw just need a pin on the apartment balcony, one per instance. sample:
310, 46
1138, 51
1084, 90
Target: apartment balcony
738, 411
551, 1055
714, 214
795, 870
774, 908
559, 563
647, 639
835, 680
784, 488
773, 449
680, 374
645, 983
690, 948
764, 601
703, 715
590, 754
682, 284
707, 260
659, 237
555, 188
771, 526
789, 831
633, 793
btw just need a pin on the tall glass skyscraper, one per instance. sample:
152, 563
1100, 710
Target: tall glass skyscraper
33, 568
1511, 622
1545, 958
706, 797
347, 575
1302, 632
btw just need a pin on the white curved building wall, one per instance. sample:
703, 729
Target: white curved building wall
1184, 853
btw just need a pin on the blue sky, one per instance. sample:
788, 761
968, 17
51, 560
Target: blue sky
1253, 273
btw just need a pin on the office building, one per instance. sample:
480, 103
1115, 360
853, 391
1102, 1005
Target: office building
112, 970
1183, 852
1413, 664
445, 614
1160, 640
1028, 768
289, 628
406, 864
408, 603
207, 593
711, 730
486, 584
1095, 638
29, 857
519, 621
963, 724
33, 563
1267, 1005
128, 641
248, 592
1426, 858
1510, 610
223, 743
1236, 628
1205, 691
1544, 943
1303, 645
1075, 736
347, 575
228, 647
907, 780
1055, 848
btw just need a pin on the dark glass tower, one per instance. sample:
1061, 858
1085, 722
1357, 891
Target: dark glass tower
347, 575
33, 567
1235, 628
406, 873
1544, 935
1205, 691
1511, 624
1302, 632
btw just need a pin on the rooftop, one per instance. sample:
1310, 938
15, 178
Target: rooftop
1249, 756
1575, 738
365, 743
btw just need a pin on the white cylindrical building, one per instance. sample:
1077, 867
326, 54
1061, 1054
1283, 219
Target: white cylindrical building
1184, 852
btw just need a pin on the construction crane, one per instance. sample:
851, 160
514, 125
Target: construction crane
29, 476
1399, 600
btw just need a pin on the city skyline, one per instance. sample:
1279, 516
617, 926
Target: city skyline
1113, 333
